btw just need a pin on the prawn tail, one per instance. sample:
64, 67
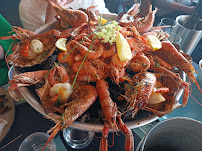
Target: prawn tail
104, 142
53, 132
193, 79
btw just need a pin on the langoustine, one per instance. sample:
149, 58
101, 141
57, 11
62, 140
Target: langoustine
69, 17
111, 113
81, 99
143, 24
139, 91
171, 55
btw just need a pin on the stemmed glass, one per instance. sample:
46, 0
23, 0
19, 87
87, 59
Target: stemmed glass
170, 23
175, 38
171, 27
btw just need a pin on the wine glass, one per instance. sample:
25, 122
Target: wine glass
175, 38
77, 138
170, 23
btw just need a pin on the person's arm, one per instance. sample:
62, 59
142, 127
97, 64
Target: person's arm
1, 53
183, 8
50, 14
172, 5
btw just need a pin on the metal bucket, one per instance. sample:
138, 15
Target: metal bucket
190, 38
174, 134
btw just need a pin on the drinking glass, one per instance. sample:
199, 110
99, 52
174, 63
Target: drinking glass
36, 142
168, 22
76, 138
175, 38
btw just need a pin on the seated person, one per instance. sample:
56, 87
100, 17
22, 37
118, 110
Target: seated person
5, 46
172, 8
35, 13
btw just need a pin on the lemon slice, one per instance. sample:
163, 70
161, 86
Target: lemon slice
61, 44
123, 48
154, 42
103, 21
156, 97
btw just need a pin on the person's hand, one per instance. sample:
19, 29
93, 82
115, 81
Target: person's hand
190, 9
63, 3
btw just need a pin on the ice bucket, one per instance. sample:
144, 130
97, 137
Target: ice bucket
190, 38
174, 134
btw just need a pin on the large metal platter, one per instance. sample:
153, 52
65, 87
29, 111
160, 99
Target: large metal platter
33, 100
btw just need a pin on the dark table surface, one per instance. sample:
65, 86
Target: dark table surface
28, 120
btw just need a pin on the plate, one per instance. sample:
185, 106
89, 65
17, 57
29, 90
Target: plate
34, 101
8, 116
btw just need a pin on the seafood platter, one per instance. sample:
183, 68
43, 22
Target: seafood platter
100, 72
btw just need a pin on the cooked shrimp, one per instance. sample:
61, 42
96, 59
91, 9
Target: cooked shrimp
81, 99
85, 68
65, 57
108, 51
117, 62
78, 57
170, 54
139, 63
116, 72
93, 52
111, 112
62, 75
128, 18
141, 91
143, 25
162, 70
74, 18
160, 61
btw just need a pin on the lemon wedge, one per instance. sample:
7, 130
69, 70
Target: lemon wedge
61, 44
102, 21
154, 42
123, 48
156, 97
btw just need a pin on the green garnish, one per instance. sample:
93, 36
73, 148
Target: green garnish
108, 32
